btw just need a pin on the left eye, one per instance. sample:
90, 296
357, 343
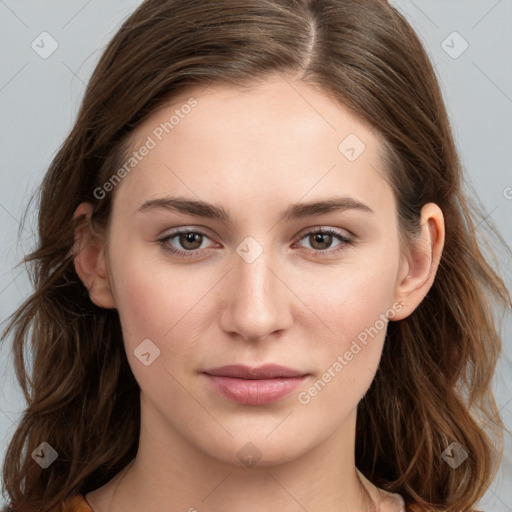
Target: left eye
325, 237
191, 241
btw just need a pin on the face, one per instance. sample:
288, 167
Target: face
310, 290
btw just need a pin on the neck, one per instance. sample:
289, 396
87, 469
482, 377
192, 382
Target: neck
322, 479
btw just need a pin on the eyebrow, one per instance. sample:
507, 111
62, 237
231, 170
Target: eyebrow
217, 212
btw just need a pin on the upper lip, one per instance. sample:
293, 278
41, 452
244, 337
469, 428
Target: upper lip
266, 371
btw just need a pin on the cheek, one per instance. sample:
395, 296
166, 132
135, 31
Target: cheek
158, 302
148, 305
357, 295
355, 309
152, 313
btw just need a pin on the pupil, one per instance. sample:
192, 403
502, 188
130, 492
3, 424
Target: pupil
190, 238
323, 236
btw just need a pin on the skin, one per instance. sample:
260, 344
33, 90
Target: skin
296, 304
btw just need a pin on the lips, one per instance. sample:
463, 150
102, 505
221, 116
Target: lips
267, 371
254, 385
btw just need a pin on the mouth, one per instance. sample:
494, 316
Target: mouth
267, 371
255, 385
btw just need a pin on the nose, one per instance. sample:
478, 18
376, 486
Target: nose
257, 299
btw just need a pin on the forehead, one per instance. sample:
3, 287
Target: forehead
278, 141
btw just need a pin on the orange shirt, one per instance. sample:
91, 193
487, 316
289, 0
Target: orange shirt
75, 503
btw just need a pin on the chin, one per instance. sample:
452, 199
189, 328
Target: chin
258, 451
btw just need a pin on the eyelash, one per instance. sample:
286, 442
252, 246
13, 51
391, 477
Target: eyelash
346, 241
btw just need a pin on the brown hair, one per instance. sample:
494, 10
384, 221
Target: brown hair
433, 384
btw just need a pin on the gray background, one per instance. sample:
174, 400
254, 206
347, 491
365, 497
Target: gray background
39, 98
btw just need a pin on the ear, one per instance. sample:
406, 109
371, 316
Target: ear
89, 260
419, 266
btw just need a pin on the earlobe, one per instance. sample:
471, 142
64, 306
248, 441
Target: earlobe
89, 259
422, 262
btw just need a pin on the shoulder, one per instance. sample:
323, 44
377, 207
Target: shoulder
416, 507
75, 503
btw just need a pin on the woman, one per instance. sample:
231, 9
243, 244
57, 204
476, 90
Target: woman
258, 282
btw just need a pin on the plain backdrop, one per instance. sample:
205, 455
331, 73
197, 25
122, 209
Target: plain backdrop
470, 44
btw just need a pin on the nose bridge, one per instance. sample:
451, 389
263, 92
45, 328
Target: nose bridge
257, 304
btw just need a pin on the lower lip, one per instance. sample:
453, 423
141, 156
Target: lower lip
255, 391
